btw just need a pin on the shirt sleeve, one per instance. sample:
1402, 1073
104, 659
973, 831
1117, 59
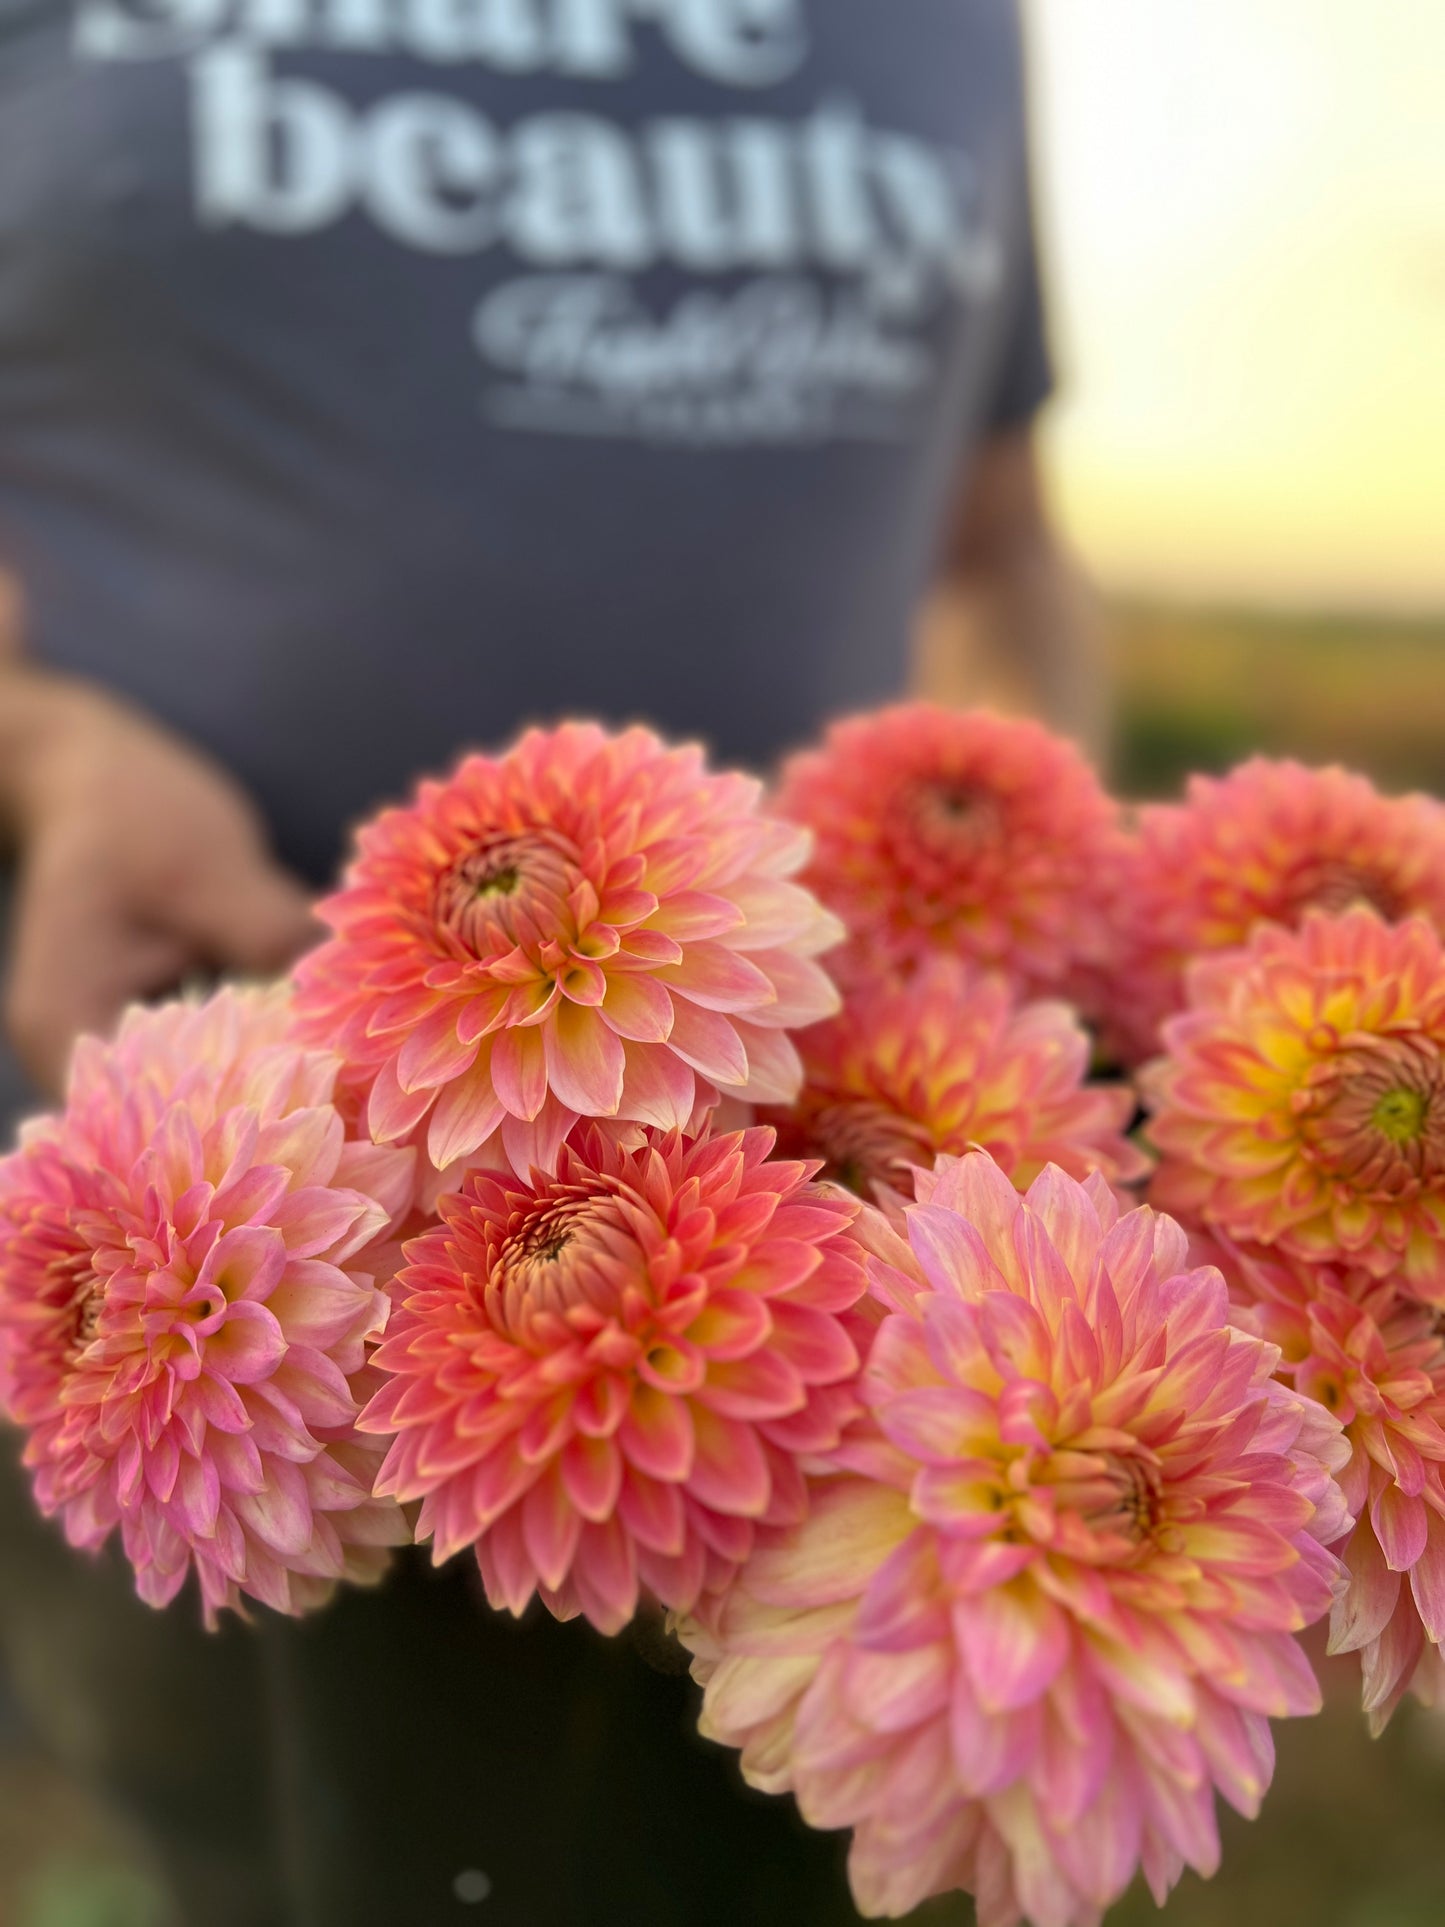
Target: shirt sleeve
1025, 378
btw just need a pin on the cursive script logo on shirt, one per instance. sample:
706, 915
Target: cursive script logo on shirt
817, 248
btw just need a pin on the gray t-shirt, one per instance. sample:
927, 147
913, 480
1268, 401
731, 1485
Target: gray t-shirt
377, 374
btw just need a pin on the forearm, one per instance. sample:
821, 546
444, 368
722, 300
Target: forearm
36, 709
1023, 633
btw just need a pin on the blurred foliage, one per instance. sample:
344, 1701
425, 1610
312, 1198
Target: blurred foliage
1199, 689
66, 1858
67, 1893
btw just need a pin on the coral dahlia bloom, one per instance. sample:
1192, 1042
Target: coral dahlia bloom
1377, 1362
587, 926
980, 836
947, 1062
1302, 1102
187, 1295
601, 1380
1046, 1609
1264, 844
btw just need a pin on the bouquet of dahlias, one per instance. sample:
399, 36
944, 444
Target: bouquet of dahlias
682, 1198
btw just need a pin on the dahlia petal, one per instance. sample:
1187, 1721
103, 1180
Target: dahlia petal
775, 1070
585, 1061
763, 1386
316, 1386
249, 1345
1400, 1526
1427, 1580
466, 1113
707, 1042
1387, 1666
657, 1088
653, 1513
508, 1574
433, 1053
493, 1489
592, 1476
381, 1172
813, 1341
1072, 1763
247, 1262
937, 1424
732, 1325
679, 1582
317, 1219
605, 1575
1240, 1752
729, 1468
391, 1112
894, 1692
803, 992
551, 1524
280, 1514
657, 1435
772, 913
903, 1605
519, 1072
638, 1008
535, 1146
1013, 1641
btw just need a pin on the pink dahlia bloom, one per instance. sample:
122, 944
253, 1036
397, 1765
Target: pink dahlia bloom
1302, 1102
187, 1297
947, 1062
1264, 844
601, 1380
1377, 1362
1045, 1608
587, 926
980, 836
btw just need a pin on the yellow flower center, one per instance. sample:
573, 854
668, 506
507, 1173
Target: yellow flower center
1401, 1115
492, 893
1372, 1115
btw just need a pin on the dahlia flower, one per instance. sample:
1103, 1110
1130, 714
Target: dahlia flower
1302, 1103
601, 1380
1377, 1362
587, 926
187, 1295
1263, 844
980, 836
946, 1062
1044, 1606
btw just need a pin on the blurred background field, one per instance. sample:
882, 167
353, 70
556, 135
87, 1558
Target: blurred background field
1198, 688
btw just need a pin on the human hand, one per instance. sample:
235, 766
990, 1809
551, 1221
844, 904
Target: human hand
140, 863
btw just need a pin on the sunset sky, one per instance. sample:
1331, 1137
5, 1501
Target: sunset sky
1244, 211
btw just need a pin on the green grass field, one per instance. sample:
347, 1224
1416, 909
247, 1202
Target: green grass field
1198, 689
